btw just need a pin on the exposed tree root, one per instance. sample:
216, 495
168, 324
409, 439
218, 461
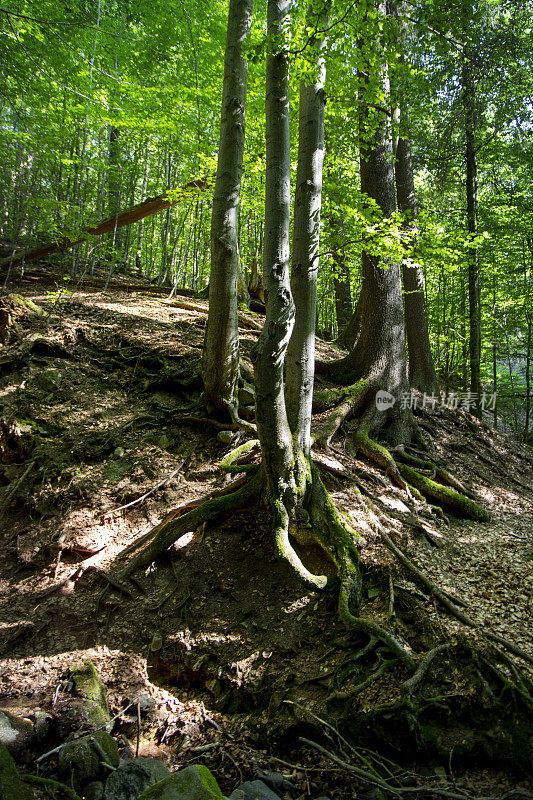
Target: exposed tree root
227, 464
410, 685
371, 420
353, 397
167, 533
324, 399
464, 505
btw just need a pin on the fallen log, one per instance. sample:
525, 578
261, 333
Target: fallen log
151, 206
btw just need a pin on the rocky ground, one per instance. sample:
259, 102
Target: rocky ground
236, 661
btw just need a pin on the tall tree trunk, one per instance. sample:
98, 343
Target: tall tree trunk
269, 353
474, 278
114, 181
307, 205
220, 364
528, 380
292, 484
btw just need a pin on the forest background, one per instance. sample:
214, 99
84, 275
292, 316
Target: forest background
105, 104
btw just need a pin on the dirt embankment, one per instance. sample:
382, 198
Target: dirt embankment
95, 452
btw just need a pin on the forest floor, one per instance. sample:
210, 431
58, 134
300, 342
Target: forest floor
237, 655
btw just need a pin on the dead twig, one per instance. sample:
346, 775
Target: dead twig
158, 485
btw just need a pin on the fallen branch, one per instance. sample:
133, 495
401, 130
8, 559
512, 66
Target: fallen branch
151, 206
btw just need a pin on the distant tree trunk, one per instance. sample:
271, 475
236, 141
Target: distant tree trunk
341, 270
528, 380
474, 278
138, 254
114, 180
421, 367
220, 364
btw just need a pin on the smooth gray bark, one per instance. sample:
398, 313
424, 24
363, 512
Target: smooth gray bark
307, 205
220, 366
269, 353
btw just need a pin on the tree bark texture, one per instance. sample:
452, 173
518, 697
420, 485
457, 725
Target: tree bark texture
474, 278
220, 366
421, 367
269, 353
306, 239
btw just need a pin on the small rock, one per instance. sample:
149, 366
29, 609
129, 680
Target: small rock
119, 452
157, 642
90, 688
130, 780
225, 436
49, 380
146, 703
192, 783
275, 780
253, 790
16, 733
246, 395
94, 791
82, 757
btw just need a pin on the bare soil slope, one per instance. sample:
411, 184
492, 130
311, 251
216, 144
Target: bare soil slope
91, 399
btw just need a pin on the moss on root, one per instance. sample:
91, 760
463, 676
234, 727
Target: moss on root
444, 494
167, 534
227, 464
328, 398
351, 397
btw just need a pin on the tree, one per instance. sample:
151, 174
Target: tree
377, 361
220, 365
421, 368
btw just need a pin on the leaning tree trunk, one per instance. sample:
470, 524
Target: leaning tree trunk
220, 366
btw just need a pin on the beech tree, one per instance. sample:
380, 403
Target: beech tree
220, 367
422, 374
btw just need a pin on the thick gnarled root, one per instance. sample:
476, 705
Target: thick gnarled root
324, 399
351, 398
445, 495
370, 421
227, 464
166, 534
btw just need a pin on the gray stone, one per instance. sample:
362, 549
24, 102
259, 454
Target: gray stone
275, 781
49, 380
225, 436
247, 395
192, 783
16, 733
253, 790
130, 780
82, 757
